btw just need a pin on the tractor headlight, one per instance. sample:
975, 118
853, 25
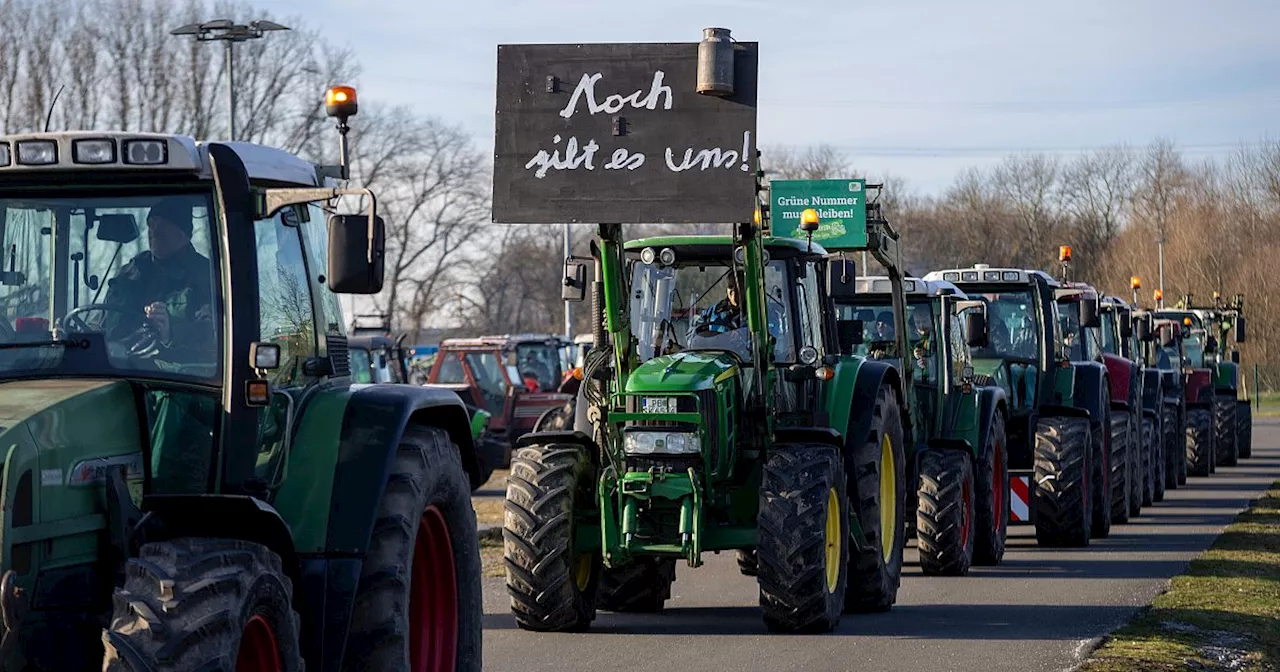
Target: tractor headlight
661, 443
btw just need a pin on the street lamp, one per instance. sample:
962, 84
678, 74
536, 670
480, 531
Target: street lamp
230, 33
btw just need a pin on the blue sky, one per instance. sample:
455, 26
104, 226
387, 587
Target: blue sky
919, 89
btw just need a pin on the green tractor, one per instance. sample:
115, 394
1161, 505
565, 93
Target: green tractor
1232, 416
959, 464
716, 413
1186, 330
191, 480
1058, 408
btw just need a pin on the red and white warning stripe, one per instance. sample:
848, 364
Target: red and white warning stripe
1019, 497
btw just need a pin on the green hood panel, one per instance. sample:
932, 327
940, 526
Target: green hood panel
682, 372
19, 400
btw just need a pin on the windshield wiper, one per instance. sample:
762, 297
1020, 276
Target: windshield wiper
74, 343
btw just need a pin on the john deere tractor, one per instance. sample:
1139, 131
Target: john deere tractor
1057, 407
959, 466
717, 413
1232, 421
190, 480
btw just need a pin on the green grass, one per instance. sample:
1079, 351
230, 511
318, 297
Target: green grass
1224, 609
1269, 406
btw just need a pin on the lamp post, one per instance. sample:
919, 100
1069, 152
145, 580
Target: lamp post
229, 33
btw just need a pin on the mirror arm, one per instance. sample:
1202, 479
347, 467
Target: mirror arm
275, 199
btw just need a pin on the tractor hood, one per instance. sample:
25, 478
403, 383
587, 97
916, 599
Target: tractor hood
683, 371
67, 417
20, 400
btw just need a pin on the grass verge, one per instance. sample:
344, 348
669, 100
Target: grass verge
1268, 405
1222, 614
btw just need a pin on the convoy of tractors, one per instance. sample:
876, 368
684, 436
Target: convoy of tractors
244, 486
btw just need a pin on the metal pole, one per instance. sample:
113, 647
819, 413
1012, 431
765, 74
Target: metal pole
1162, 269
231, 91
568, 307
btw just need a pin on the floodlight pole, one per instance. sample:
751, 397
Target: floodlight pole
229, 33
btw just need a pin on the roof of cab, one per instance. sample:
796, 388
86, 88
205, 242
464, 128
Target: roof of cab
774, 242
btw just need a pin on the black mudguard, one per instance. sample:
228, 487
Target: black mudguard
167, 517
825, 435
991, 400
871, 374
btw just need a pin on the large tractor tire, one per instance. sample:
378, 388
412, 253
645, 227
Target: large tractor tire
803, 547
1063, 465
1121, 482
747, 563
644, 586
1100, 481
1175, 447
222, 605
419, 605
551, 590
991, 500
1224, 429
945, 515
880, 467
1199, 444
1153, 467
1137, 464
1244, 429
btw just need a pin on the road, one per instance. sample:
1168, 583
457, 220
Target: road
1041, 609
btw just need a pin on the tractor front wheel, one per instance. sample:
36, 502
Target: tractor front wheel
418, 605
944, 518
1199, 444
222, 605
1244, 429
1152, 463
1063, 466
880, 467
552, 588
1100, 481
644, 586
1175, 448
803, 547
991, 503
1121, 489
1224, 429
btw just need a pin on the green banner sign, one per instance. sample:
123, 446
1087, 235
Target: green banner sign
841, 206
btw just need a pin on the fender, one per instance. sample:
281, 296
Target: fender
1120, 375
1199, 389
366, 452
1090, 389
167, 517
991, 400
824, 435
573, 436
871, 374
1060, 411
1152, 390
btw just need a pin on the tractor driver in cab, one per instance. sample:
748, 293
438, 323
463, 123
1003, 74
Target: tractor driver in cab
922, 341
726, 317
164, 296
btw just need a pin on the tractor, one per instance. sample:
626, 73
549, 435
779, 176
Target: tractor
959, 465
1129, 378
214, 491
1232, 421
1200, 396
1057, 407
716, 413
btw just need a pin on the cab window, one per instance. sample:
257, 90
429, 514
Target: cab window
284, 296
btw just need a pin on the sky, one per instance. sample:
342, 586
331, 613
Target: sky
917, 89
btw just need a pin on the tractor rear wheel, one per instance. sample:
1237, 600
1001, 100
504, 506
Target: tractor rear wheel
1244, 429
1199, 444
418, 606
1224, 429
1152, 464
1063, 466
945, 516
1121, 489
1175, 447
1100, 481
747, 562
1137, 463
991, 501
880, 469
803, 547
552, 590
223, 605
644, 586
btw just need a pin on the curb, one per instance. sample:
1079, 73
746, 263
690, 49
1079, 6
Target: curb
489, 531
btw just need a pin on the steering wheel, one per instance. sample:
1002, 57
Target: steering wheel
74, 322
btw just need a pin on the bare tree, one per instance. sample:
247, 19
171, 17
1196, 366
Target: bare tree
1027, 182
1096, 190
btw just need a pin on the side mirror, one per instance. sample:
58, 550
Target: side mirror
574, 288
975, 328
1240, 332
1126, 325
842, 277
1235, 356
1089, 312
356, 254
849, 334
1144, 330
1211, 346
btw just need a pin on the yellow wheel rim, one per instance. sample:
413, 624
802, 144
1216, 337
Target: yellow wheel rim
888, 497
833, 540
582, 571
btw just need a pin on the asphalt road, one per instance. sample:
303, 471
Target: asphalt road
1041, 609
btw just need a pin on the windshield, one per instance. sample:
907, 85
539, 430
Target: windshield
1011, 320
879, 330
1078, 344
108, 285
696, 306
1193, 345
539, 366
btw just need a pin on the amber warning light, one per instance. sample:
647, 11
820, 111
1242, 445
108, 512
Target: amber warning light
1064, 253
1135, 282
340, 101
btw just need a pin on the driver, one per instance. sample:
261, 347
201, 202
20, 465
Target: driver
167, 289
724, 315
